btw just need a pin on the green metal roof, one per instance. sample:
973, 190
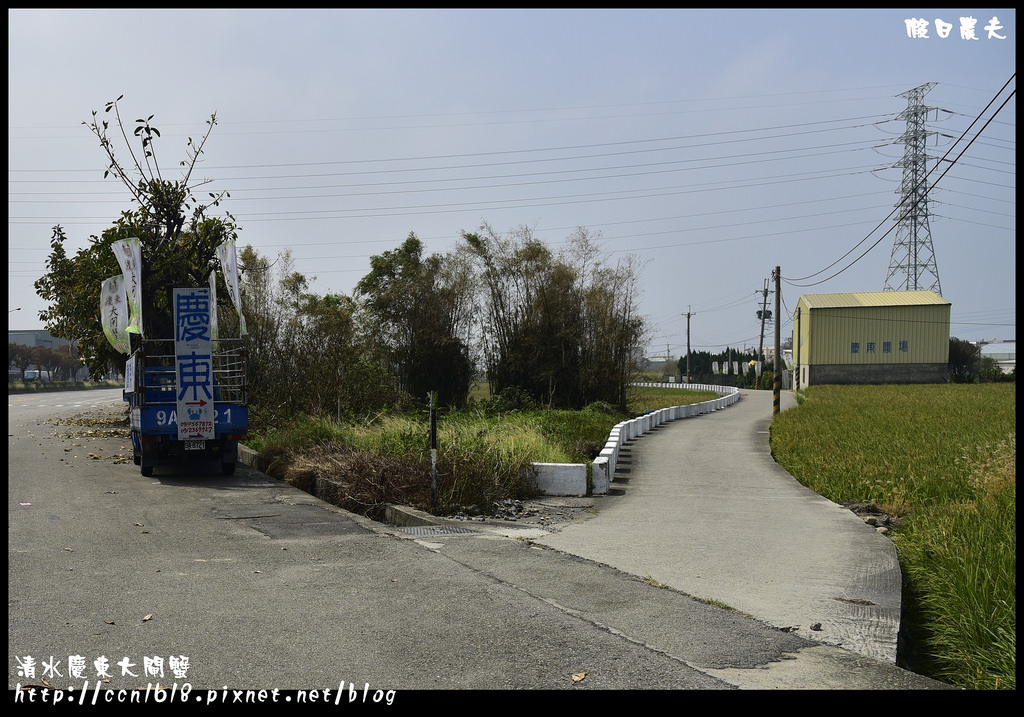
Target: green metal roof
872, 298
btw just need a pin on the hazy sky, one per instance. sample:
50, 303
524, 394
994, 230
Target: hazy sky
714, 145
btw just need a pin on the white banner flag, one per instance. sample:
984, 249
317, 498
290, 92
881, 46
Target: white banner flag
714, 367
114, 313
129, 256
213, 308
229, 267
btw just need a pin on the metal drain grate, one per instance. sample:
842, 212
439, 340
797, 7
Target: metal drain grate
436, 530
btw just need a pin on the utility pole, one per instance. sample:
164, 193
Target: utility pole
764, 311
777, 382
688, 314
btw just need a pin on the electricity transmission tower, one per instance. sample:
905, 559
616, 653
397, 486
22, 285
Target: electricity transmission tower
912, 266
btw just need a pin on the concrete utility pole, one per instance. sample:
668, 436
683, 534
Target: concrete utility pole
777, 382
688, 314
764, 310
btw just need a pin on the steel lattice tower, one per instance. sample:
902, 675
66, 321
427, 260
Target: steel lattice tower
912, 266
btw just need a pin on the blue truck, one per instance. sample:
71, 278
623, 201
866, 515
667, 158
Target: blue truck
187, 395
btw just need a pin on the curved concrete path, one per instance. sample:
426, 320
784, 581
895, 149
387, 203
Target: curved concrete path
699, 504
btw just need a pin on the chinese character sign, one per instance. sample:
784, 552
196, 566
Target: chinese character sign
193, 358
114, 313
129, 256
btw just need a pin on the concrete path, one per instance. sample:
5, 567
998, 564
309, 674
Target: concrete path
263, 586
699, 505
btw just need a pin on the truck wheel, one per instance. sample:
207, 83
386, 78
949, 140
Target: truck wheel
227, 469
147, 471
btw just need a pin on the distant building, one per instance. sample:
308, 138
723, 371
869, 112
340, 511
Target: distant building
36, 337
871, 338
1003, 353
40, 337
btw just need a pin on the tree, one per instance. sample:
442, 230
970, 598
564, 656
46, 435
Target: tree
47, 361
702, 367
613, 331
418, 314
338, 373
72, 288
68, 361
561, 327
991, 371
272, 294
20, 356
178, 240
964, 361
305, 352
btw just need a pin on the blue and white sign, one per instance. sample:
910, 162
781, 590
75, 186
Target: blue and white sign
193, 358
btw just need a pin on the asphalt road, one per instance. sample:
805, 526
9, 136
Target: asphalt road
190, 578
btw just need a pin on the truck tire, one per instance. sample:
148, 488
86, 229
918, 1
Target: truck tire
227, 469
148, 456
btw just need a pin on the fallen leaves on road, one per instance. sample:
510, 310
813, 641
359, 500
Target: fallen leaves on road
578, 677
95, 433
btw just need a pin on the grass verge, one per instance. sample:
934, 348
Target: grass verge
942, 460
483, 456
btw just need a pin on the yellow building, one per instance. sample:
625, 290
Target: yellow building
871, 337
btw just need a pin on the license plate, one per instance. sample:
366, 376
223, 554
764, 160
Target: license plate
195, 445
